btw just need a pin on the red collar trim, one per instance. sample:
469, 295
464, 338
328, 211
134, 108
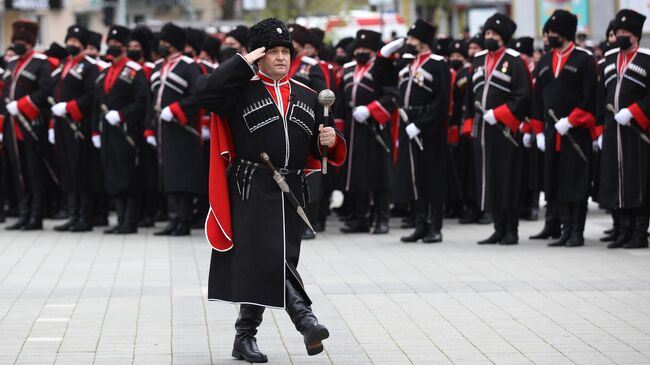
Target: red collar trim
269, 80
566, 52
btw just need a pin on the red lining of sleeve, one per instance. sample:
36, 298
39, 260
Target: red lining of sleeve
452, 135
2, 124
468, 125
178, 113
536, 126
336, 154
639, 115
581, 118
340, 124
149, 133
51, 124
29, 109
74, 111
378, 112
505, 116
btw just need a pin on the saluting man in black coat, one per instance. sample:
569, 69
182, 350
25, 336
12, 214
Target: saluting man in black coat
73, 88
501, 84
26, 85
566, 84
625, 159
253, 226
121, 99
178, 127
425, 95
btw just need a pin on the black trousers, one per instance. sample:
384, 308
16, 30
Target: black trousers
573, 216
180, 206
80, 206
380, 201
127, 207
634, 221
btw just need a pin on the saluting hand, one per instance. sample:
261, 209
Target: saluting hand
252, 57
327, 136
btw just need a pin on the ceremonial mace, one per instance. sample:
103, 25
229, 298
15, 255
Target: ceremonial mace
326, 98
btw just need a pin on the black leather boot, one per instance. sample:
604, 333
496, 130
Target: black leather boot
82, 225
245, 345
579, 216
499, 229
66, 226
566, 218
625, 229
512, 228
182, 229
551, 229
35, 224
169, 228
381, 227
22, 220
356, 226
564, 238
640, 235
304, 319
611, 235
434, 234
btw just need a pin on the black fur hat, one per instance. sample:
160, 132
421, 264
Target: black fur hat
298, 33
144, 36
212, 46
240, 33
25, 30
368, 39
194, 38
502, 24
94, 39
78, 32
458, 46
119, 33
174, 35
631, 21
524, 45
57, 51
269, 33
316, 37
424, 31
563, 23
478, 40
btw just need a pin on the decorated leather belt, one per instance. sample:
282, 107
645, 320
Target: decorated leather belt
417, 109
244, 171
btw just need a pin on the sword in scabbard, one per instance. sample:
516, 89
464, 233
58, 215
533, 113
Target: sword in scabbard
129, 139
71, 124
635, 128
405, 119
573, 142
284, 187
504, 131
178, 122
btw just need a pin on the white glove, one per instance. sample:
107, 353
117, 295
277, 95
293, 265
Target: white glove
361, 113
152, 141
97, 141
541, 141
391, 47
489, 117
528, 140
1, 137
594, 145
205, 133
59, 109
166, 114
12, 108
50, 136
623, 116
600, 142
412, 130
562, 126
113, 117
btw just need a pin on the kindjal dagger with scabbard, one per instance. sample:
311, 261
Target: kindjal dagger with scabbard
178, 122
504, 131
284, 187
635, 128
71, 124
28, 127
405, 119
569, 137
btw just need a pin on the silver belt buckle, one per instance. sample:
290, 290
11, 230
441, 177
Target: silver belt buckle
283, 171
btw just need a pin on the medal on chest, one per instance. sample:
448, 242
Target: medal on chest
504, 67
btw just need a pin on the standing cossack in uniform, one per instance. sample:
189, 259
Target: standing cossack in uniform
73, 88
24, 124
121, 99
498, 99
424, 95
624, 106
367, 104
253, 224
178, 129
565, 88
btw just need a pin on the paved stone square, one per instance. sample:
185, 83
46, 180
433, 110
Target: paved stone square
102, 299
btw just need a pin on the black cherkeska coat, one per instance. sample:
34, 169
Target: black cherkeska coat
625, 158
179, 150
497, 161
29, 85
129, 96
425, 94
569, 92
75, 84
369, 167
266, 230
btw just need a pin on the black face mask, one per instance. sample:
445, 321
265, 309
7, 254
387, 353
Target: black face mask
134, 54
73, 50
456, 64
554, 41
19, 49
409, 48
547, 48
114, 51
227, 52
362, 57
189, 54
341, 60
491, 44
623, 42
163, 51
